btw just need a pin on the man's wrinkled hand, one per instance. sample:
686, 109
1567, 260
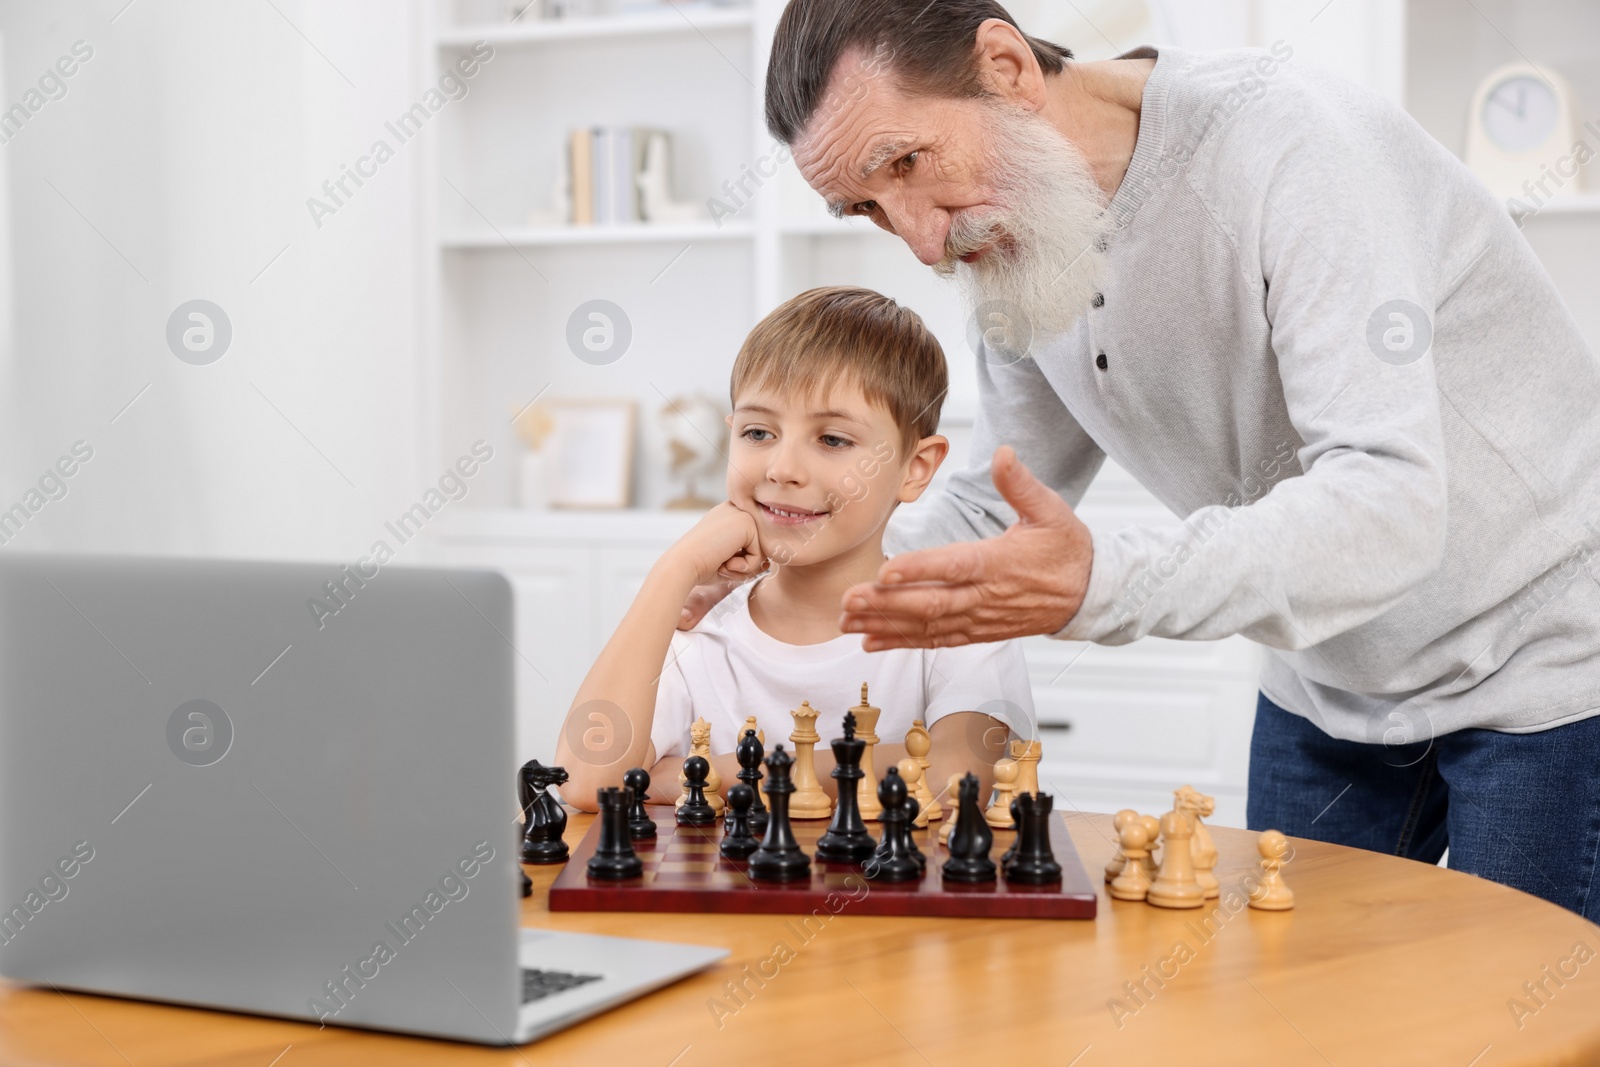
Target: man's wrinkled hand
1029, 580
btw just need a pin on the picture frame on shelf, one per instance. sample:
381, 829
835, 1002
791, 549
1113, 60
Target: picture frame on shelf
589, 452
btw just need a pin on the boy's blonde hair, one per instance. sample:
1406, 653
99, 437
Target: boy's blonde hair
857, 335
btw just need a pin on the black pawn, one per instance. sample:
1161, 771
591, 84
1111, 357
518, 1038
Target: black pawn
641, 827
1034, 863
696, 811
897, 859
739, 842
544, 820
1016, 821
614, 859
779, 859
970, 840
847, 839
527, 883
749, 752
886, 846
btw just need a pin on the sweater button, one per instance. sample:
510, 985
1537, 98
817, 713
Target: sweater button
1099, 300
1100, 361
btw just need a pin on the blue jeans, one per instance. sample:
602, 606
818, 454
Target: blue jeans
1519, 809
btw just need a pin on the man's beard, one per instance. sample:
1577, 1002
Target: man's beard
1045, 262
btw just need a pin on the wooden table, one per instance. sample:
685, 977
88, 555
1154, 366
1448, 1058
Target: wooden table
1383, 961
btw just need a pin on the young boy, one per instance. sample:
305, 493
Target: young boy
836, 399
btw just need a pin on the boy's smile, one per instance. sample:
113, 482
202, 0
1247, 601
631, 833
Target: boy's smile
788, 514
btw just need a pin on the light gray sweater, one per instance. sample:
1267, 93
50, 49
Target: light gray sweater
1411, 534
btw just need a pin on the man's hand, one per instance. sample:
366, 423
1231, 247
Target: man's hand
1029, 580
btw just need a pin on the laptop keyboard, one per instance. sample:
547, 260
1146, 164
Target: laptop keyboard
537, 984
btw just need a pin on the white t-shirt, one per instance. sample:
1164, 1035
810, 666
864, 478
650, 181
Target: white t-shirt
727, 668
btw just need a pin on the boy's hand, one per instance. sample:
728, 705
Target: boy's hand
725, 544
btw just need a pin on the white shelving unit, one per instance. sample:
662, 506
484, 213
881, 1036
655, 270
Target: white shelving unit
552, 236
1123, 725
687, 20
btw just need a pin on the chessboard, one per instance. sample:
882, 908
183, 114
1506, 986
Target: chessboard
683, 872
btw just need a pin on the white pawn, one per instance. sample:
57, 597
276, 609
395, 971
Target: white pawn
1118, 821
952, 789
1133, 882
1005, 788
918, 744
1272, 894
1152, 828
1175, 885
911, 771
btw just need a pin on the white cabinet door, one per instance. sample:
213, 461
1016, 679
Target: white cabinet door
620, 571
554, 624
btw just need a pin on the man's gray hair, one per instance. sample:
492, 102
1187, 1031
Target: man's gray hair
930, 45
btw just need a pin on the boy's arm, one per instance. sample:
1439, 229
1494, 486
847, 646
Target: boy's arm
965, 741
607, 729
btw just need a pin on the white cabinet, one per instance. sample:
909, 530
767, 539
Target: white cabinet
574, 575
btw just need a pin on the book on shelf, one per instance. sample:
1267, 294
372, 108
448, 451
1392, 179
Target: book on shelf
604, 163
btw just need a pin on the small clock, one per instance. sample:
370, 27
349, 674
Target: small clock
1521, 130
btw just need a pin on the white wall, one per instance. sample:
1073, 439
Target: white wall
181, 159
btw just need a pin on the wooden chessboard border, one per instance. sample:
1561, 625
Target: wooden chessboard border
726, 889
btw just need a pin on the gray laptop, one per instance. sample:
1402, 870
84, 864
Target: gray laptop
217, 790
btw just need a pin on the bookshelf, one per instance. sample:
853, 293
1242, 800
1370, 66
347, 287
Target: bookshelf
688, 20
552, 236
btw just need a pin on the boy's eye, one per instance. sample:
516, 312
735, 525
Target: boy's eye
747, 435
834, 440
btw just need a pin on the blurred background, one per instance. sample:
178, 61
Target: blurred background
278, 267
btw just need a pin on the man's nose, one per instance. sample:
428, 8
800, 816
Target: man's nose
924, 230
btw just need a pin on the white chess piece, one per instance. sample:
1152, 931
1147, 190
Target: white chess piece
911, 771
918, 744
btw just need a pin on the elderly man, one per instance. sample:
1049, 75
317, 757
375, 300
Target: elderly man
1312, 334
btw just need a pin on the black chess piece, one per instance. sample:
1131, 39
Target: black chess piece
912, 805
897, 859
527, 883
739, 842
970, 840
847, 839
779, 859
749, 752
641, 827
1034, 863
1016, 823
544, 820
696, 811
614, 859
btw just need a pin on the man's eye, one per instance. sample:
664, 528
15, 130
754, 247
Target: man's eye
866, 207
908, 161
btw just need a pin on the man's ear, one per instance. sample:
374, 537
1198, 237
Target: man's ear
925, 460
1007, 65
